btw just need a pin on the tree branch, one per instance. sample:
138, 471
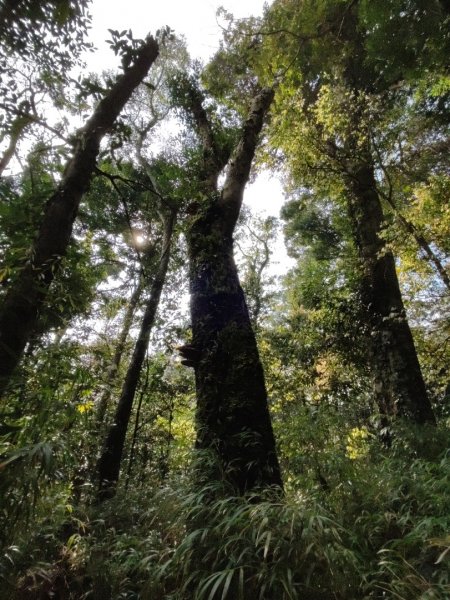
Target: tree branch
241, 161
430, 255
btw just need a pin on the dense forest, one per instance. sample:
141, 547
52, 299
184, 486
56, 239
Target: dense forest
180, 417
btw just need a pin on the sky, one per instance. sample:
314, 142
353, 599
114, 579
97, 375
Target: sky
198, 22
196, 19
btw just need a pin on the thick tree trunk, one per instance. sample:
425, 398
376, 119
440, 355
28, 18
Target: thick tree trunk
108, 467
398, 382
233, 423
19, 313
233, 420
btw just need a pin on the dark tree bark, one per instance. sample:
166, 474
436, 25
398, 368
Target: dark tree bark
134, 435
233, 421
19, 313
398, 383
399, 386
108, 467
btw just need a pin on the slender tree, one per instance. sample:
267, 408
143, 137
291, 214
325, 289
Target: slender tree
109, 463
18, 127
256, 259
19, 313
113, 368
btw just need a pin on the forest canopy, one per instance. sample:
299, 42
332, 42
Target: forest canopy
184, 414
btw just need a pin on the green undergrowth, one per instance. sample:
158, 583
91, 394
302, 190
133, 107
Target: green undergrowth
382, 533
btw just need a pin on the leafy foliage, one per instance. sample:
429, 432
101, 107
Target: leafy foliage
365, 510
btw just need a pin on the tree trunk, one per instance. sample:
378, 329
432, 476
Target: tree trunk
108, 467
233, 421
399, 387
398, 382
103, 401
86, 469
19, 313
134, 436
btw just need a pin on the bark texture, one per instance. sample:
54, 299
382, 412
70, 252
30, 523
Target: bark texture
398, 382
108, 467
233, 421
19, 313
399, 386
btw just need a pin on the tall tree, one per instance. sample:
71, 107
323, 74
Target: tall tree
113, 367
333, 92
399, 386
111, 455
233, 421
19, 313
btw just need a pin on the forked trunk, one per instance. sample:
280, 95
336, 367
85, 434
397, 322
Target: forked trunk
234, 430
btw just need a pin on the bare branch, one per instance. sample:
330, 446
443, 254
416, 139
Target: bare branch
240, 163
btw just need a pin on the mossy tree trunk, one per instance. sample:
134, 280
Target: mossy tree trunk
399, 387
233, 422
